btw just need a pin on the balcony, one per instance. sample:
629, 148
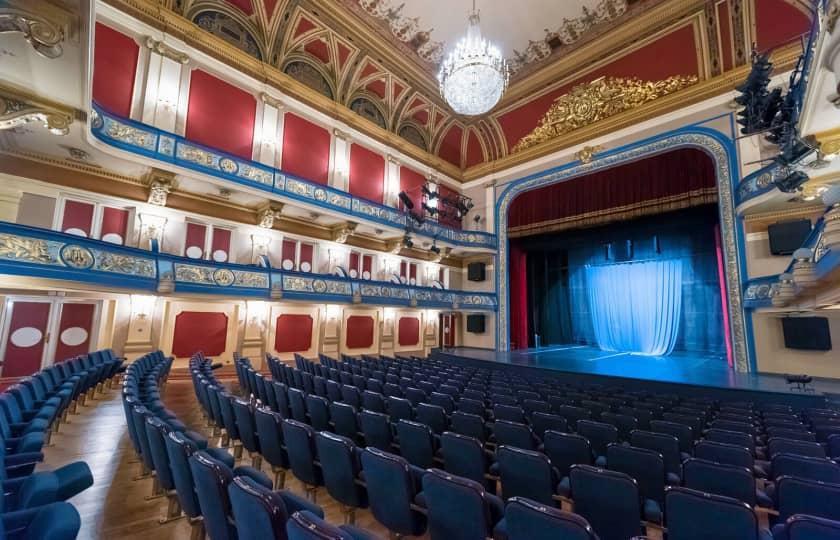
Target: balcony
152, 143
34, 252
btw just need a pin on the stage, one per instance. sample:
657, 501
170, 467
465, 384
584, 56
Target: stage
695, 374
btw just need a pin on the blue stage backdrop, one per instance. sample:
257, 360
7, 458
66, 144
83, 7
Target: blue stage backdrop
649, 285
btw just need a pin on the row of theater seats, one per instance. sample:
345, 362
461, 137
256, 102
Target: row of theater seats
32, 504
293, 431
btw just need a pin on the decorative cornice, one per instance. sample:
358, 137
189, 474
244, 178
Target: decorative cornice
19, 107
165, 50
602, 98
161, 183
339, 233
587, 153
268, 213
45, 35
272, 101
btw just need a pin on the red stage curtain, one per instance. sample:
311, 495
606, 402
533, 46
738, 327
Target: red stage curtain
517, 270
657, 184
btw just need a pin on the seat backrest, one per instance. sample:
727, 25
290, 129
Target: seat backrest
457, 507
376, 429
572, 414
373, 401
269, 426
471, 425
738, 438
417, 443
433, 416
444, 401
211, 481
300, 446
646, 466
351, 395
686, 509
726, 480
391, 492
340, 467
510, 413
566, 449
55, 521
810, 468
345, 420
529, 520
156, 431
667, 445
777, 445
624, 423
608, 500
801, 496
804, 527
281, 397
318, 410
600, 435
399, 408
245, 423
729, 454
297, 404
463, 456
683, 433
258, 512
526, 474
543, 421
514, 434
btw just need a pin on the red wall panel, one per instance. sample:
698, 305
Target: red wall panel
114, 225
220, 245
288, 253
74, 329
77, 218
306, 149
450, 147
293, 333
307, 252
245, 6
359, 332
220, 115
367, 173
672, 54
408, 331
777, 23
25, 341
194, 242
114, 69
474, 154
411, 181
199, 331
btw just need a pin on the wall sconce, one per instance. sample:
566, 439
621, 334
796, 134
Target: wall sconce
333, 312
257, 312
142, 305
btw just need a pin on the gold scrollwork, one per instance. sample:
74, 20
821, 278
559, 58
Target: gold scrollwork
596, 100
25, 249
44, 36
18, 107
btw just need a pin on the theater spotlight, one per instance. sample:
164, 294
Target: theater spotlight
434, 249
407, 241
792, 181
428, 192
406, 200
430, 209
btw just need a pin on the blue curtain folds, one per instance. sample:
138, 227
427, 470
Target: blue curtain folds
636, 306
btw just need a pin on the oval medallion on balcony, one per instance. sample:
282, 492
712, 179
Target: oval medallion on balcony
223, 277
319, 286
77, 257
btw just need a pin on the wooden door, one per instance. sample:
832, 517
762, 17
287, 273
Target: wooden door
25, 337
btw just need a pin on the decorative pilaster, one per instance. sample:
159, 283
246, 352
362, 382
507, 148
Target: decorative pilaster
9, 204
392, 181
164, 88
269, 148
340, 172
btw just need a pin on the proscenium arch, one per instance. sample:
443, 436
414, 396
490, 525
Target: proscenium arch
722, 152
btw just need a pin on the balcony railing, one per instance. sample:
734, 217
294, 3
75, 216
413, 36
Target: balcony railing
153, 143
30, 251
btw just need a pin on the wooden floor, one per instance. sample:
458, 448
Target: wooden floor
115, 507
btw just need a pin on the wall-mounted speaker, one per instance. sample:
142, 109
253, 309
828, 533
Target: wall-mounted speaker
475, 324
475, 271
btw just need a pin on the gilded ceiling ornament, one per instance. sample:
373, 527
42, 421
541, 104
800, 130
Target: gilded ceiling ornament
44, 36
18, 108
268, 214
587, 153
341, 233
590, 102
160, 186
405, 29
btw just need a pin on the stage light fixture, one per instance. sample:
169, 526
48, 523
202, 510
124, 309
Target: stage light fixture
428, 192
430, 209
406, 200
434, 249
792, 181
407, 241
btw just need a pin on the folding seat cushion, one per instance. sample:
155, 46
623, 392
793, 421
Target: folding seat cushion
308, 526
18, 424
726, 480
776, 445
44, 487
458, 508
260, 513
527, 474
212, 478
722, 518
608, 500
376, 429
648, 469
600, 435
55, 521
297, 404
514, 434
433, 416
805, 527
341, 470
269, 425
466, 457
529, 520
300, 446
417, 443
392, 485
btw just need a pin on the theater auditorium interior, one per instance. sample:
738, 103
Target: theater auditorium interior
443, 270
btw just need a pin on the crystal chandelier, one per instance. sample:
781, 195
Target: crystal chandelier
475, 74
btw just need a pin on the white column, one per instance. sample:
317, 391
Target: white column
340, 161
392, 181
9, 203
164, 86
490, 208
268, 142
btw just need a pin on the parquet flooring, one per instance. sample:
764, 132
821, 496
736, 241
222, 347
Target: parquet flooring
116, 506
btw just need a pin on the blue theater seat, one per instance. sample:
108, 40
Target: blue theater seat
308, 526
466, 457
376, 430
341, 467
260, 513
648, 469
417, 443
514, 434
300, 446
608, 500
529, 520
805, 527
458, 508
56, 521
726, 480
393, 485
345, 420
269, 426
527, 474
600, 436
800, 496
694, 515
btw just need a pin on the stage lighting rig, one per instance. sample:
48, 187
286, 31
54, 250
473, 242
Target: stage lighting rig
430, 209
407, 241
406, 200
792, 181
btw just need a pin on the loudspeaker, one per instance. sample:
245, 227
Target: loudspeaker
475, 324
475, 271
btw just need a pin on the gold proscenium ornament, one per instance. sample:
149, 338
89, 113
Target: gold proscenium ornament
604, 97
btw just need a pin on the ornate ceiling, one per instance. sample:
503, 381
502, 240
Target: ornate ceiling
379, 57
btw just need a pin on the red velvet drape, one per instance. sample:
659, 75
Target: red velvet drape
517, 270
657, 184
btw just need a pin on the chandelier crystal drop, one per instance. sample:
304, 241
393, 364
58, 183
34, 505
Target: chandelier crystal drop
474, 75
